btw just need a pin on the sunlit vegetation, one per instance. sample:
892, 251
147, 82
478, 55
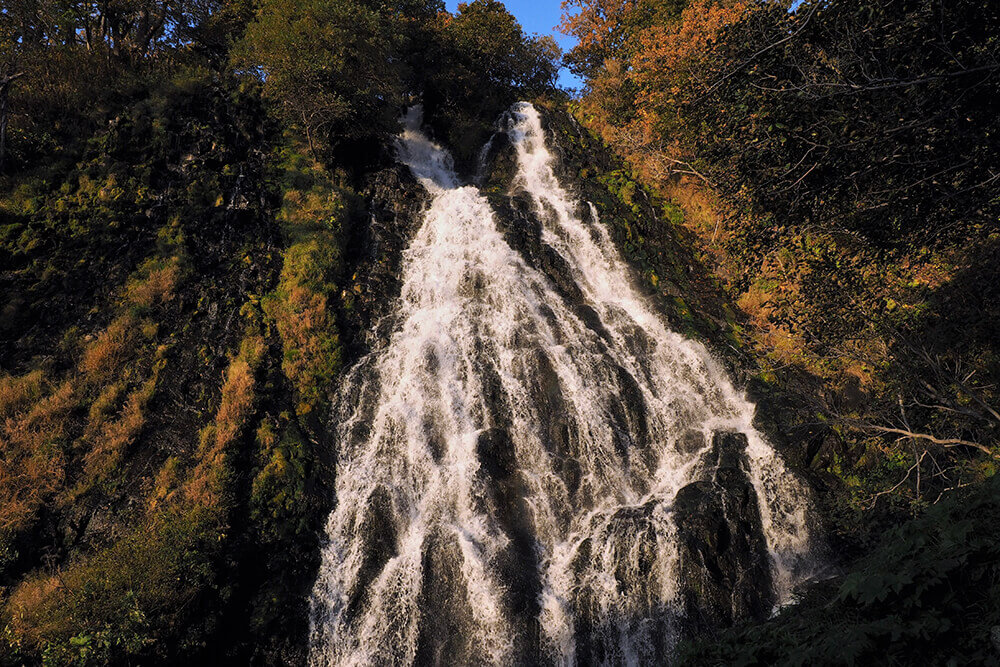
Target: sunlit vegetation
303, 304
833, 165
177, 186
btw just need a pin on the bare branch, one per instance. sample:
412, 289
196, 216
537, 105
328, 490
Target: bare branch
943, 442
758, 54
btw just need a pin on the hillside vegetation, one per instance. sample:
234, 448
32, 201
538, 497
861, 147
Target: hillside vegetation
836, 167
199, 217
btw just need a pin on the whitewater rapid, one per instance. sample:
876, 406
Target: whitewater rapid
490, 453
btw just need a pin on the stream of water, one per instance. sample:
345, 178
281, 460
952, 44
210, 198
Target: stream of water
494, 452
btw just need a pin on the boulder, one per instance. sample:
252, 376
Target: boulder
724, 564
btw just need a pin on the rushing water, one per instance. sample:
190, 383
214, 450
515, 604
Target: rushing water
491, 453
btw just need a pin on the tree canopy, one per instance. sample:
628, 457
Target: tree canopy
877, 118
339, 71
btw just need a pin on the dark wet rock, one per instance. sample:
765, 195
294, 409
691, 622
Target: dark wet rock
447, 620
495, 398
378, 233
548, 399
723, 555
557, 270
518, 219
518, 562
592, 320
729, 451
496, 454
632, 532
378, 534
691, 441
498, 165
631, 398
435, 439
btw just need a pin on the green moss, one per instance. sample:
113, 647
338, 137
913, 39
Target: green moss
303, 303
278, 502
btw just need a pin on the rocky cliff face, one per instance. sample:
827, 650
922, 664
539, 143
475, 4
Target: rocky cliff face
724, 562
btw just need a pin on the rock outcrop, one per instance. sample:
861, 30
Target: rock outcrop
724, 559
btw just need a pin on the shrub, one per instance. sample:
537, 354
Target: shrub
929, 594
117, 603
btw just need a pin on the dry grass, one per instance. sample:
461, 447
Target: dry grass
106, 403
32, 460
311, 214
19, 392
111, 350
235, 408
114, 437
38, 423
155, 283
167, 482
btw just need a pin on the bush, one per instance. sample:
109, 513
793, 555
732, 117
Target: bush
929, 595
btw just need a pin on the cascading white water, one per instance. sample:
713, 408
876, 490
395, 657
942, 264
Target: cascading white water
495, 454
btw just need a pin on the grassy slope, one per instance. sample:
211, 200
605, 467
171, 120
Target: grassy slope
170, 329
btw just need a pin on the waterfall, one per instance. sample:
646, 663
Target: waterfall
507, 461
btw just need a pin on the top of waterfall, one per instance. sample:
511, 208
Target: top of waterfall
429, 162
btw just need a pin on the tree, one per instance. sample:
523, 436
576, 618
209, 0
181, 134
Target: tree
330, 66
16, 46
610, 29
480, 62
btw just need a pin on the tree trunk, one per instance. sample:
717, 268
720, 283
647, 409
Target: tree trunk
5, 113
4, 87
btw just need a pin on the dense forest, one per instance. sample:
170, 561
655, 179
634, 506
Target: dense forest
201, 215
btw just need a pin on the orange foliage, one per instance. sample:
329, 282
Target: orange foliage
208, 478
598, 23
631, 99
668, 53
32, 461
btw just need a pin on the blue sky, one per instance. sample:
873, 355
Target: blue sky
541, 17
